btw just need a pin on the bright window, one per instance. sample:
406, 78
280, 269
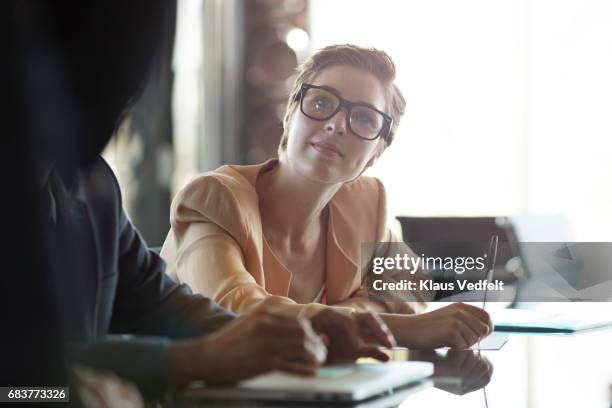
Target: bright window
508, 104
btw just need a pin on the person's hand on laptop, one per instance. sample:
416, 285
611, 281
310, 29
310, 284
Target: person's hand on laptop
351, 336
457, 326
251, 345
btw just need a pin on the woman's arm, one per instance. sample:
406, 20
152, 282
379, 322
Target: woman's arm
210, 261
214, 265
387, 245
457, 326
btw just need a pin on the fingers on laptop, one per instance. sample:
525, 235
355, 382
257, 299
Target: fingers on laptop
374, 330
290, 344
373, 352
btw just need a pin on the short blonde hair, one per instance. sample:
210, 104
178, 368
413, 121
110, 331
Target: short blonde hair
371, 60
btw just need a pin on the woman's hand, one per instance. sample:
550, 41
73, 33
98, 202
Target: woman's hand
458, 326
350, 336
251, 345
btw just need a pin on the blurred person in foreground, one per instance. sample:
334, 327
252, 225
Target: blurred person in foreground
78, 65
289, 231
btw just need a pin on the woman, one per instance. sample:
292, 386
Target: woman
289, 231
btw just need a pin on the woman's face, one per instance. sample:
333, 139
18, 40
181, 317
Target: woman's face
327, 151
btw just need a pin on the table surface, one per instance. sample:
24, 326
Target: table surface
531, 370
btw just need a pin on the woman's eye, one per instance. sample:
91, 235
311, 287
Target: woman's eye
364, 118
323, 103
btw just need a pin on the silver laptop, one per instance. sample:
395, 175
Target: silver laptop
353, 382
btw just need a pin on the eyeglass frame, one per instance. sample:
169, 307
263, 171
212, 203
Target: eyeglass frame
344, 103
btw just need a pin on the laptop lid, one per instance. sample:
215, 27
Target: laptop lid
353, 382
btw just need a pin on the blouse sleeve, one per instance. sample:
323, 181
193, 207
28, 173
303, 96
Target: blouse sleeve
388, 245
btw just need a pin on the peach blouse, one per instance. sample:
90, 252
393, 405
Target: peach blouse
216, 243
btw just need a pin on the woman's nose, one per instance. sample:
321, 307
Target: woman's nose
337, 123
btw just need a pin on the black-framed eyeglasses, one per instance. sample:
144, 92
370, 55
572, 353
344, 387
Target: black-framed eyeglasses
363, 120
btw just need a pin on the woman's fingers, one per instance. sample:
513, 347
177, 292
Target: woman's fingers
478, 313
458, 338
468, 325
478, 327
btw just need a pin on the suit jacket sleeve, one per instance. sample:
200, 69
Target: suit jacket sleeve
149, 302
149, 309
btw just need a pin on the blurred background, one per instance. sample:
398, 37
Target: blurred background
508, 103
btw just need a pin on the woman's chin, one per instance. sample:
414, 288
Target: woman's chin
320, 168
323, 172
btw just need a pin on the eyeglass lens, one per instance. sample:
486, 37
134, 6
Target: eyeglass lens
320, 104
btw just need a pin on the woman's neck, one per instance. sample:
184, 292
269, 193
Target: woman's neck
292, 206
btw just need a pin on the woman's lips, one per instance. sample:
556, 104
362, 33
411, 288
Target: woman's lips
327, 149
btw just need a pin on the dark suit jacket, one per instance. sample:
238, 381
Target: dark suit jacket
107, 281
